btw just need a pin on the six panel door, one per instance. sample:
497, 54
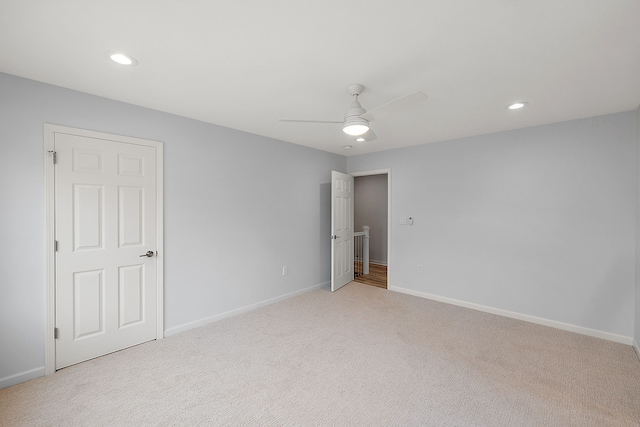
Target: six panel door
341, 229
105, 223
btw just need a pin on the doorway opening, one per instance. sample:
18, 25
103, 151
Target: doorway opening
372, 202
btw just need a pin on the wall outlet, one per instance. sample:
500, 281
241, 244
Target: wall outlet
285, 270
420, 269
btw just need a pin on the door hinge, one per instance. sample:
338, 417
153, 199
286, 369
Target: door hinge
55, 246
54, 156
55, 333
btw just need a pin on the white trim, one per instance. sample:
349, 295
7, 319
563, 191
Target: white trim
49, 202
388, 173
160, 239
637, 349
21, 377
49, 185
374, 261
371, 172
197, 323
519, 316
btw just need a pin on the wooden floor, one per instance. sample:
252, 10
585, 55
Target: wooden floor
377, 275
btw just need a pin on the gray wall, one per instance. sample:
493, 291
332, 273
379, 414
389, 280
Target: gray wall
537, 221
370, 208
238, 207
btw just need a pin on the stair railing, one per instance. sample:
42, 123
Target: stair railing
361, 251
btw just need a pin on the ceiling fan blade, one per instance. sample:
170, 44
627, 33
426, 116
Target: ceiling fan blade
394, 106
310, 121
369, 136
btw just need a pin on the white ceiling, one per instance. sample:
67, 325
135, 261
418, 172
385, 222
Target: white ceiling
245, 64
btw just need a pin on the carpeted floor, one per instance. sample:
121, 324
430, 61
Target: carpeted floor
362, 356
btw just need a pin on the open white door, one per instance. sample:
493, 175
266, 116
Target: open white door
341, 229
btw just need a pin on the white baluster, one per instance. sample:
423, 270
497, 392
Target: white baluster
365, 250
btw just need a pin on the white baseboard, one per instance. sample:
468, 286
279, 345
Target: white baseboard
21, 377
374, 261
636, 347
519, 316
215, 318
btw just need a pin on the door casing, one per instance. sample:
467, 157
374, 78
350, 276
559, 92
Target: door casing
49, 146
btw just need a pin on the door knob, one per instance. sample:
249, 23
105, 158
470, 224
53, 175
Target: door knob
148, 254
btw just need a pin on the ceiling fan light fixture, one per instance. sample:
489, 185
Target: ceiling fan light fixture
356, 126
355, 129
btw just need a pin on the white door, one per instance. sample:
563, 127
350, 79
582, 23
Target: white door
341, 229
106, 232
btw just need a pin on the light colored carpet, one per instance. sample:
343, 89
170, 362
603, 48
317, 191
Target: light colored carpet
362, 356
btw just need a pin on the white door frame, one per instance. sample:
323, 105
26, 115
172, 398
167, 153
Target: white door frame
388, 173
49, 185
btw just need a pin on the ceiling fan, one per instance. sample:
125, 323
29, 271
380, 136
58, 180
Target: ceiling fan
356, 119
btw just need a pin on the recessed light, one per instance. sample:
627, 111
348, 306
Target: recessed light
517, 105
360, 139
122, 59
347, 147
